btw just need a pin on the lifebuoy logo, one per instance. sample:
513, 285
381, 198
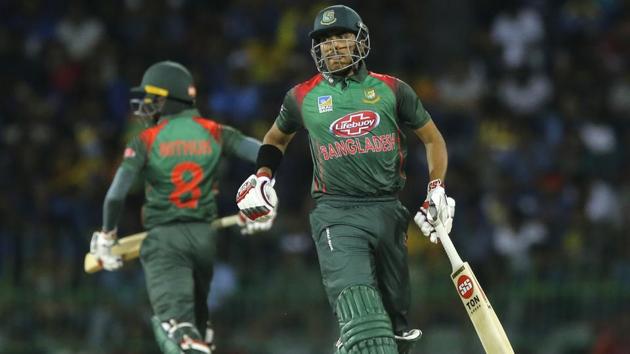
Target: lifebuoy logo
355, 124
465, 286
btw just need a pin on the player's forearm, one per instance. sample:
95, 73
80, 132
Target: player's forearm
269, 158
247, 149
277, 138
115, 198
435, 146
274, 145
437, 158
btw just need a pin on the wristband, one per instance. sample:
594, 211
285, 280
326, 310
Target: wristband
269, 156
263, 174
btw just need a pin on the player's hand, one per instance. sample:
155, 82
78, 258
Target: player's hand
437, 208
250, 227
101, 247
440, 208
257, 199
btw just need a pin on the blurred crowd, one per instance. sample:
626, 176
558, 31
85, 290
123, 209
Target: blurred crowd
533, 98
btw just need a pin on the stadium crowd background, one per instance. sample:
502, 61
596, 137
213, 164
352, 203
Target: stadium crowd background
533, 98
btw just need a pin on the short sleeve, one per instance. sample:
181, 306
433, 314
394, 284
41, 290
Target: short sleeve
410, 110
289, 120
231, 138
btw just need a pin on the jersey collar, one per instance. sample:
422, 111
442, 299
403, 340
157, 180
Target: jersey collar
193, 112
360, 74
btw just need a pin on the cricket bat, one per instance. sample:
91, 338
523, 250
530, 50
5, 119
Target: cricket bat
129, 247
484, 319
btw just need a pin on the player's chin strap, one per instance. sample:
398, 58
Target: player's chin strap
178, 338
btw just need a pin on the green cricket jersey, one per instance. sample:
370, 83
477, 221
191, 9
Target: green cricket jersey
354, 126
179, 157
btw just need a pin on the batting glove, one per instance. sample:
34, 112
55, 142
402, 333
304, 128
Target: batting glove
250, 227
101, 247
437, 208
257, 199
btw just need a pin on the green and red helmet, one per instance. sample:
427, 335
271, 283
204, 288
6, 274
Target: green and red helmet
339, 19
161, 82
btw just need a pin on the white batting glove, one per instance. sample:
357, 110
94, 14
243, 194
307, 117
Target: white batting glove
101, 247
250, 227
437, 208
257, 199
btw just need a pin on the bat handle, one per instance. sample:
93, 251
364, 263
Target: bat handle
225, 221
451, 252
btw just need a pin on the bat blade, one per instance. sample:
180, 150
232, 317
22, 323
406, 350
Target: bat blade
129, 247
484, 319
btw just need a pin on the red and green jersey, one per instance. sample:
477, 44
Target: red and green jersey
355, 131
179, 158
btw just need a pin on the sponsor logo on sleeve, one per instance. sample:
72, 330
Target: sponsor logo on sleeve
325, 104
129, 153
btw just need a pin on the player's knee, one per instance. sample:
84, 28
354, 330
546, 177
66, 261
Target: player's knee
178, 338
364, 325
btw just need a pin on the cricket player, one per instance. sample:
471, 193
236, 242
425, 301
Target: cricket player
354, 120
178, 155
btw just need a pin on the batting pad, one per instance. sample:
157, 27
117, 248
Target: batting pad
364, 325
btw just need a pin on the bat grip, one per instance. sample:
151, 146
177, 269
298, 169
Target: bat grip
449, 248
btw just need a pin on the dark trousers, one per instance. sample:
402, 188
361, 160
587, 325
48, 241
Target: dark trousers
364, 242
177, 260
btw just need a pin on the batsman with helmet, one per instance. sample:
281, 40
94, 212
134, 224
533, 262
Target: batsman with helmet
354, 120
178, 154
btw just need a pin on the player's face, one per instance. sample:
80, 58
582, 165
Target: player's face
337, 50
